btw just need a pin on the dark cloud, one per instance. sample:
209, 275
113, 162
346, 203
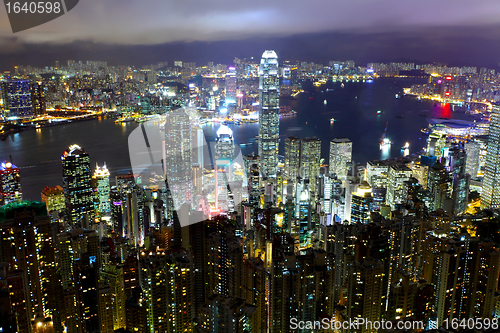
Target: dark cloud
452, 46
139, 32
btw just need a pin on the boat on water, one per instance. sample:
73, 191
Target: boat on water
125, 120
325, 102
379, 112
384, 141
426, 130
342, 85
406, 146
329, 89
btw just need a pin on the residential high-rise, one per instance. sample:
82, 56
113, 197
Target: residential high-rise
77, 181
269, 114
10, 184
28, 249
490, 195
340, 155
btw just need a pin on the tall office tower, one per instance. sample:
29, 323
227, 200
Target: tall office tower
365, 295
253, 290
376, 176
28, 249
18, 102
112, 275
226, 314
134, 215
178, 156
198, 145
440, 187
490, 195
224, 154
38, 98
77, 184
420, 173
361, 204
292, 158
340, 155
100, 181
472, 149
310, 160
10, 184
397, 175
53, 197
269, 114
299, 279
435, 144
231, 86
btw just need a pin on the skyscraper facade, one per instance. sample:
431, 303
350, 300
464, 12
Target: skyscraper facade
224, 151
77, 180
102, 188
178, 156
269, 113
340, 155
490, 196
18, 95
10, 184
292, 158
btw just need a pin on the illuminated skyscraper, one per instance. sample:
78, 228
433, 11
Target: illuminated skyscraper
10, 184
269, 113
292, 158
231, 86
310, 160
53, 197
101, 184
397, 175
361, 204
178, 156
490, 195
77, 180
340, 155
18, 98
224, 152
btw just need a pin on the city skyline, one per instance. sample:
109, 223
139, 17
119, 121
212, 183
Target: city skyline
250, 167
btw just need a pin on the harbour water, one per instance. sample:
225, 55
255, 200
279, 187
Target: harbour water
351, 111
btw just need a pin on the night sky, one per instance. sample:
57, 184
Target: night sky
456, 32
